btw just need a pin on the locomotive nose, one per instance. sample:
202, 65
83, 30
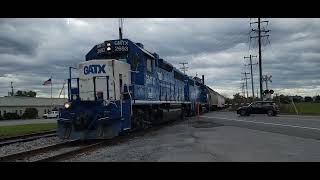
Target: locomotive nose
82, 121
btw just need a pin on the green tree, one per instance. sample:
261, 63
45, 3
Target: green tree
19, 93
228, 100
30, 113
31, 94
308, 99
26, 93
285, 99
237, 98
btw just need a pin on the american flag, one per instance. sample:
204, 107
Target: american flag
47, 82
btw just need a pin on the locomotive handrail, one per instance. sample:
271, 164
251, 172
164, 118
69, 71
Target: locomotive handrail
64, 119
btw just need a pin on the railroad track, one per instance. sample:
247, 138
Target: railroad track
69, 149
25, 138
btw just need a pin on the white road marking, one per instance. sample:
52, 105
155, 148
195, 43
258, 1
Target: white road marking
283, 115
297, 118
304, 127
279, 117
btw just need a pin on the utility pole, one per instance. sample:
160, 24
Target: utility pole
11, 89
120, 27
242, 89
246, 78
184, 68
259, 42
251, 56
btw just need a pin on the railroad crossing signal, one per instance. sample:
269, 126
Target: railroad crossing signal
268, 91
267, 79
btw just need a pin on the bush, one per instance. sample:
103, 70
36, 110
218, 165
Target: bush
9, 116
30, 113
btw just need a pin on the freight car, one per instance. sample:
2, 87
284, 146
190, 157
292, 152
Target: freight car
215, 100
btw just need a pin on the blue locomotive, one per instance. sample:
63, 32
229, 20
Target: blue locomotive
121, 86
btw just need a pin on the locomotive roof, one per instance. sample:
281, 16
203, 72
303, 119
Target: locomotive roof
152, 55
142, 49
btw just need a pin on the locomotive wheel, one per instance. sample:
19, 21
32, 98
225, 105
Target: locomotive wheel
100, 131
139, 120
67, 133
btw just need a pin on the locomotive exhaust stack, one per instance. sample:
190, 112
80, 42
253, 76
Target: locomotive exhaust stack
202, 79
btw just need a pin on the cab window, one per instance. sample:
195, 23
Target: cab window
256, 105
149, 65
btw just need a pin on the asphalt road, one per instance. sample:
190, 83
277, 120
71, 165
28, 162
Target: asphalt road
25, 121
221, 136
299, 126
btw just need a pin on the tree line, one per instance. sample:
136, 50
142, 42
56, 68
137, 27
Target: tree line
285, 99
25, 93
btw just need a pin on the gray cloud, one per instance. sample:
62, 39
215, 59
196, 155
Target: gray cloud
32, 50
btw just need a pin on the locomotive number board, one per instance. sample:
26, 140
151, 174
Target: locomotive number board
109, 47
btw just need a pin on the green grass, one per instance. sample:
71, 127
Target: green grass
303, 108
6, 131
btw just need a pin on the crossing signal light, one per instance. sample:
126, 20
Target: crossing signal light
268, 92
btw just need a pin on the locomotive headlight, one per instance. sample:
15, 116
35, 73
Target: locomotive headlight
108, 44
108, 48
67, 105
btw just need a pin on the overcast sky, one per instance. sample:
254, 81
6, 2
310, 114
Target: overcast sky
32, 50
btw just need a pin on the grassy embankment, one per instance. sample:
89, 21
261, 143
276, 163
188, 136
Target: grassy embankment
302, 108
6, 131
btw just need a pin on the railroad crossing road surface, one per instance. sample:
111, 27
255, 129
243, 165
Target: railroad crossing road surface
221, 136
25, 121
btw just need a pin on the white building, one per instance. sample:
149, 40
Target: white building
18, 104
